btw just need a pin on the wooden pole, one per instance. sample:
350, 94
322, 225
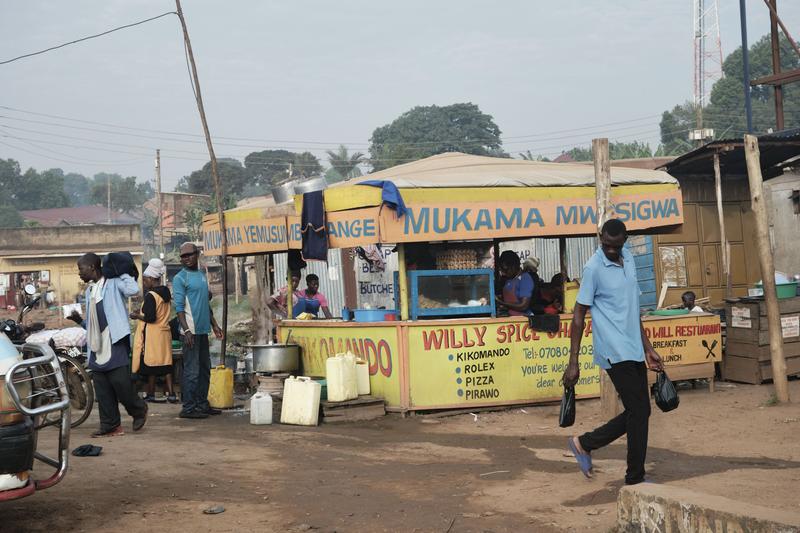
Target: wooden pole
562, 255
214, 175
609, 403
262, 315
289, 292
753, 159
160, 211
402, 281
723, 238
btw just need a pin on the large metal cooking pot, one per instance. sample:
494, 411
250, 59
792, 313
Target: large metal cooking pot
316, 183
284, 192
275, 357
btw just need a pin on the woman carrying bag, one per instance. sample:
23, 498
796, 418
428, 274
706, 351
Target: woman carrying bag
152, 347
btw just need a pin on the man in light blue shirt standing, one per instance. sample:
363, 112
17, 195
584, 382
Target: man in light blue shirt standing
190, 293
621, 348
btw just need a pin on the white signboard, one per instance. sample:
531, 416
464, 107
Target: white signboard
790, 326
376, 288
741, 317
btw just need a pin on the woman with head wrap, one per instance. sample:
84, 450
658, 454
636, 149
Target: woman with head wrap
152, 347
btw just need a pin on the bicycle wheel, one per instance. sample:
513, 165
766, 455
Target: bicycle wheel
81, 390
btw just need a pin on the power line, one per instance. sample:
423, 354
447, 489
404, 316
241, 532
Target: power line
7, 61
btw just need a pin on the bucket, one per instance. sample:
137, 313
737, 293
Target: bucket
220, 389
784, 290
261, 409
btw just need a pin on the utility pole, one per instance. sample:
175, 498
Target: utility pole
215, 176
108, 201
609, 404
753, 160
748, 108
160, 211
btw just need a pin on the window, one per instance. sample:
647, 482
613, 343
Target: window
673, 266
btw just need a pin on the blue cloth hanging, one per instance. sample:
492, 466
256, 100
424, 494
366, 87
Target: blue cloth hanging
312, 227
390, 195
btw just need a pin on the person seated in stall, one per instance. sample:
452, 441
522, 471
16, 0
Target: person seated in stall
311, 300
277, 302
518, 288
688, 299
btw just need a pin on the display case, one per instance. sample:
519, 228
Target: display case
448, 293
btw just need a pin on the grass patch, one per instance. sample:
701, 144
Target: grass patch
771, 401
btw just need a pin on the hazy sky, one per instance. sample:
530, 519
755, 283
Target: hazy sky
306, 75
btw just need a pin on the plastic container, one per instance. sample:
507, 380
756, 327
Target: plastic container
571, 289
369, 315
784, 290
390, 316
670, 312
340, 373
220, 389
261, 409
300, 401
362, 377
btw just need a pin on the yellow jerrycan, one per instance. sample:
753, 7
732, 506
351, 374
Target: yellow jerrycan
220, 389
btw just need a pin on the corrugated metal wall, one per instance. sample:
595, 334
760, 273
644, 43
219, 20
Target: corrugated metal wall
330, 278
641, 246
579, 250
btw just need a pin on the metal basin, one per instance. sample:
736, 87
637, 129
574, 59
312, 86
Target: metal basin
275, 357
316, 183
284, 192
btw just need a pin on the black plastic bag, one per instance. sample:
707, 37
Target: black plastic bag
566, 416
665, 393
117, 263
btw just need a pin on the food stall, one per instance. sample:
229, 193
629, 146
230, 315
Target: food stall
469, 357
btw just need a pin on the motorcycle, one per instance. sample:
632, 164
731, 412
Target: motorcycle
33, 395
71, 358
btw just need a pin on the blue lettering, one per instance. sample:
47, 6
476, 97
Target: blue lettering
643, 210
417, 225
461, 219
369, 231
588, 215
534, 217
515, 221
673, 208
332, 230
343, 229
444, 227
483, 220
623, 211
566, 216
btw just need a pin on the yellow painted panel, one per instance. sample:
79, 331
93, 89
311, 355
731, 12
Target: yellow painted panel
378, 345
475, 364
355, 196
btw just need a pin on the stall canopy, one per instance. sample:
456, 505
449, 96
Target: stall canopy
456, 196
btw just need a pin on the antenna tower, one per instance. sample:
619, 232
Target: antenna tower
707, 57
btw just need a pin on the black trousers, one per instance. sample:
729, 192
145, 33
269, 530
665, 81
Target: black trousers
630, 380
112, 388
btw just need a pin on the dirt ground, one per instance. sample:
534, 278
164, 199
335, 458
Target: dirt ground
502, 471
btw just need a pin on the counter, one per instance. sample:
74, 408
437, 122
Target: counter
481, 362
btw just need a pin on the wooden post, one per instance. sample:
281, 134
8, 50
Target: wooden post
753, 159
609, 403
237, 280
262, 314
723, 239
215, 175
402, 281
160, 211
562, 255
289, 292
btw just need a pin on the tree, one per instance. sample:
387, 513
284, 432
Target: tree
193, 216
78, 189
126, 194
10, 217
616, 150
344, 163
232, 175
425, 131
725, 110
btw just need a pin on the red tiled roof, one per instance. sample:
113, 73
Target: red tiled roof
74, 216
564, 158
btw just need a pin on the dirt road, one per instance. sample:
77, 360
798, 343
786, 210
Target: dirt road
504, 471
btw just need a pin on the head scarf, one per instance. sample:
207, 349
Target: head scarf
155, 269
531, 263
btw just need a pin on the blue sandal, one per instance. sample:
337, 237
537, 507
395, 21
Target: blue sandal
584, 459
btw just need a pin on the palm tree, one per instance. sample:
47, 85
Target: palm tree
345, 164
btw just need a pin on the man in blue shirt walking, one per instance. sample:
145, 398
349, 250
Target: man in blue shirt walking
190, 293
621, 348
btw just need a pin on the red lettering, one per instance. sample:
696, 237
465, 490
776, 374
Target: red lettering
467, 343
480, 332
453, 342
433, 339
383, 348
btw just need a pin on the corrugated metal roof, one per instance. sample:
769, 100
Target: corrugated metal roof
776, 149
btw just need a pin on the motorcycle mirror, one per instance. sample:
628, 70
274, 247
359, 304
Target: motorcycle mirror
30, 289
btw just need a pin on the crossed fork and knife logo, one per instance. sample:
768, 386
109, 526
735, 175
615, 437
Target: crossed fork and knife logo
710, 349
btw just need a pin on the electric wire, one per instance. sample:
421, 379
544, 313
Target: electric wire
7, 61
